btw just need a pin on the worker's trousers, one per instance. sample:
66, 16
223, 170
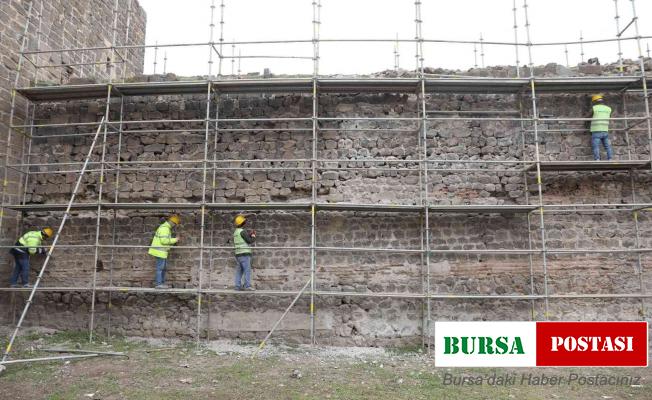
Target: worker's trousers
161, 267
21, 269
243, 267
596, 139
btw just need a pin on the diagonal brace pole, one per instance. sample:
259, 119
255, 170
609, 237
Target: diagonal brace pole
287, 310
54, 242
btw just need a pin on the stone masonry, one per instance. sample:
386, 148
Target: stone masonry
57, 24
339, 320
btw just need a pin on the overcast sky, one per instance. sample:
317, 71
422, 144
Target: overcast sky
175, 21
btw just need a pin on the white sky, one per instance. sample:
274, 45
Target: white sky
174, 21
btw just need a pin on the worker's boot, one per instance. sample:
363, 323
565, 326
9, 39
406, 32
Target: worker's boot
162, 286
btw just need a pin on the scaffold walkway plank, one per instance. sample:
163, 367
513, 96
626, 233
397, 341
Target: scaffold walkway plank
493, 209
400, 295
335, 85
620, 165
391, 208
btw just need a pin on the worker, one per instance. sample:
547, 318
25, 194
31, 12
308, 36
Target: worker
27, 245
600, 115
242, 241
161, 243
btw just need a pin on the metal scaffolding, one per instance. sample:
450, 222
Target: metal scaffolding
422, 86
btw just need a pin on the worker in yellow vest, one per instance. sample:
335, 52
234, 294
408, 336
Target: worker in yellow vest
242, 241
600, 115
161, 242
27, 245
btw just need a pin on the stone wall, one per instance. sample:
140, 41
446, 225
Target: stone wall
358, 320
54, 25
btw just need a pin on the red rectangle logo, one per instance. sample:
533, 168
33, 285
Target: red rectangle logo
592, 344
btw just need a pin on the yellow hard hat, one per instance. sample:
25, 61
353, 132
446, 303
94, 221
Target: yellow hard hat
48, 232
175, 219
597, 97
240, 219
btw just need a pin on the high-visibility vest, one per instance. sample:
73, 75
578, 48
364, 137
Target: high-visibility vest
162, 241
32, 240
241, 246
601, 115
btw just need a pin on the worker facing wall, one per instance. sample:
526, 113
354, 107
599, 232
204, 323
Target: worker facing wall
340, 319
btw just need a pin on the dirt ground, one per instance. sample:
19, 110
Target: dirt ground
229, 370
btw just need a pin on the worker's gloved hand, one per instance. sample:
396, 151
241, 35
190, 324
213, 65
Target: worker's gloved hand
178, 239
42, 251
253, 234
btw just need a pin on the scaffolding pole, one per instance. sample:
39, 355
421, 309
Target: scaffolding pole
535, 124
287, 310
646, 99
516, 46
316, 12
116, 200
424, 149
96, 257
66, 215
620, 48
12, 115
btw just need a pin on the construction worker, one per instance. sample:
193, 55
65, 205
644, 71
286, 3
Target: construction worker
26, 245
242, 241
163, 239
600, 115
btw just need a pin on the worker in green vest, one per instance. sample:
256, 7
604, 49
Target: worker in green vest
27, 245
600, 115
242, 241
161, 243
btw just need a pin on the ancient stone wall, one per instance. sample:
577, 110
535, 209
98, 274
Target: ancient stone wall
54, 25
339, 320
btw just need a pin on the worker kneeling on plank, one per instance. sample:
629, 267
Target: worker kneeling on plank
600, 115
26, 245
242, 241
161, 243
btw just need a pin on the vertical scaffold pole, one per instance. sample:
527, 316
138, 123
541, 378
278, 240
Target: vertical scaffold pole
535, 125
646, 97
582, 46
211, 29
91, 326
219, 67
213, 189
620, 48
641, 61
482, 50
396, 54
12, 115
516, 52
424, 129
208, 126
202, 217
155, 56
116, 199
316, 5
526, 188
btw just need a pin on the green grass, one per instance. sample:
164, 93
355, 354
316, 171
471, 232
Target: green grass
157, 374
